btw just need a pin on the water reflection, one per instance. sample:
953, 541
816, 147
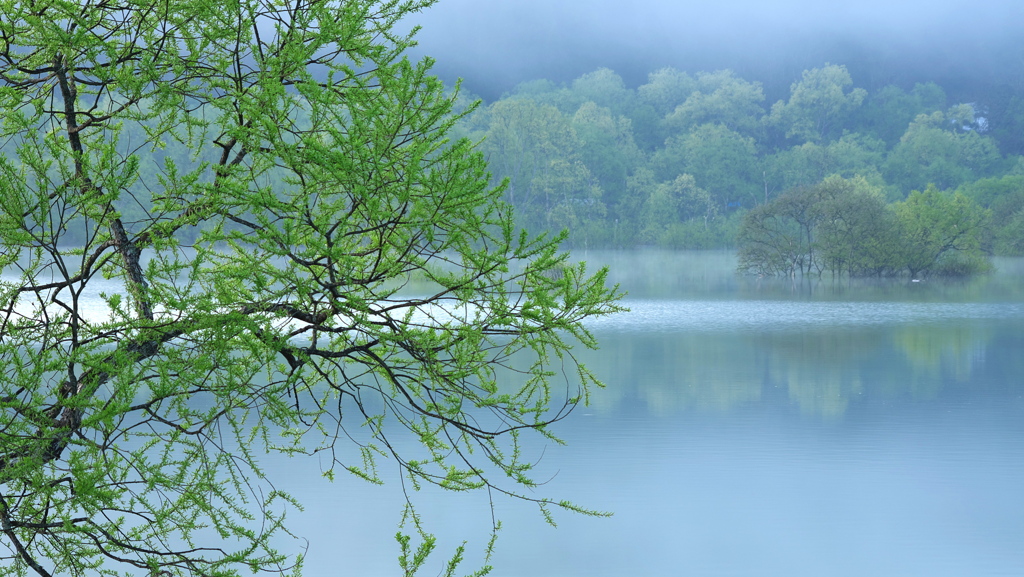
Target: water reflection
647, 316
760, 430
831, 346
822, 370
751, 427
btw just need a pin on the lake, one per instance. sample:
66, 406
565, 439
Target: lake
748, 427
753, 427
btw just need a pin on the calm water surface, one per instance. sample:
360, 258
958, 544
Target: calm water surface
755, 427
750, 427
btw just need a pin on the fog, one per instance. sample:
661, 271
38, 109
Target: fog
968, 47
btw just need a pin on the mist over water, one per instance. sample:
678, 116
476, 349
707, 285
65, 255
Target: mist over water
841, 429
748, 427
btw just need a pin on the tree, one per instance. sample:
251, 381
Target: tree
608, 150
322, 183
777, 238
1005, 113
605, 88
887, 111
546, 92
720, 98
843, 226
670, 205
517, 139
809, 163
855, 231
721, 160
536, 148
818, 104
940, 232
666, 89
936, 150
1004, 199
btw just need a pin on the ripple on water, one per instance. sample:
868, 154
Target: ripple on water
763, 315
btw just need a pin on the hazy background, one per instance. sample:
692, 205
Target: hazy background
970, 48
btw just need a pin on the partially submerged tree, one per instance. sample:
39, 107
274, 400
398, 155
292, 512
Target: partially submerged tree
777, 238
141, 378
940, 232
844, 226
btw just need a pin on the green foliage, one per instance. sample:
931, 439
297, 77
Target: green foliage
809, 163
720, 98
607, 145
940, 233
666, 89
843, 226
670, 206
888, 111
818, 104
776, 238
722, 161
1009, 238
592, 156
937, 150
1006, 113
1004, 197
605, 88
855, 233
535, 147
253, 283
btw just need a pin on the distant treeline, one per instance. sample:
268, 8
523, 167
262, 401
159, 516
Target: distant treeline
684, 160
704, 161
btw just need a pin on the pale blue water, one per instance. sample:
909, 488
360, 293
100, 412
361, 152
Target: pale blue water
756, 428
749, 428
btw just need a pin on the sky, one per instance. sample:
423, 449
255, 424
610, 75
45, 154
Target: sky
495, 44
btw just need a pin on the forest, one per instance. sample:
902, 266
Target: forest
704, 160
833, 179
